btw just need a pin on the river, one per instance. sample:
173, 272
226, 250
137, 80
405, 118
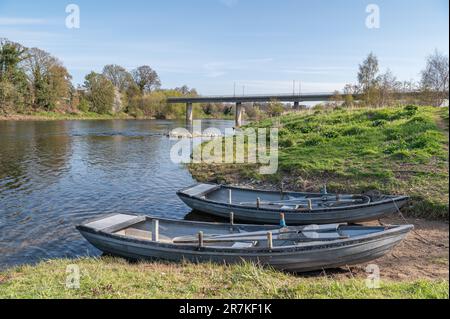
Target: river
56, 174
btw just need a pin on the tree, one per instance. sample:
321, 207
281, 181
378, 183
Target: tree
100, 93
11, 55
209, 108
367, 78
186, 91
336, 99
349, 91
387, 85
146, 79
118, 76
49, 79
368, 72
409, 91
275, 108
14, 90
435, 78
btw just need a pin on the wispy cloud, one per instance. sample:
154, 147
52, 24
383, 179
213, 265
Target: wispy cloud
217, 69
283, 86
5, 21
30, 38
257, 34
316, 70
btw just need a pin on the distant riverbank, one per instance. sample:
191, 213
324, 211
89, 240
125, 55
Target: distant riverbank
56, 116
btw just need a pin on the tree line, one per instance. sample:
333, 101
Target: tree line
384, 89
33, 80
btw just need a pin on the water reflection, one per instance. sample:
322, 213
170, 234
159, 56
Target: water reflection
54, 175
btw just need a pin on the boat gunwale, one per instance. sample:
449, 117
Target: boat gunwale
393, 199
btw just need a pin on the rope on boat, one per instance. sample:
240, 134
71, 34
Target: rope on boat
421, 238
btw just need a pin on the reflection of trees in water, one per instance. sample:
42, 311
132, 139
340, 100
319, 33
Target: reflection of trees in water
32, 150
116, 146
52, 148
13, 153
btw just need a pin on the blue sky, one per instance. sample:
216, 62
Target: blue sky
209, 44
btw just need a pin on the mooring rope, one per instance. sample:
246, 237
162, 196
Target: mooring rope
421, 238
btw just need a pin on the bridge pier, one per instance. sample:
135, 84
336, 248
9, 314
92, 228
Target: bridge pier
239, 113
189, 113
296, 105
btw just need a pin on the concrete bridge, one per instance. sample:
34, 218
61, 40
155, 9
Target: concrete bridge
296, 99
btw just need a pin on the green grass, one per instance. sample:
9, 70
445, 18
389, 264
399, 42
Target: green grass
116, 278
402, 150
56, 116
86, 116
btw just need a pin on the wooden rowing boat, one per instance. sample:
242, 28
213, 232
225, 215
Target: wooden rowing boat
264, 207
295, 249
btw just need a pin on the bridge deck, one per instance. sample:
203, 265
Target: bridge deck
306, 97
253, 98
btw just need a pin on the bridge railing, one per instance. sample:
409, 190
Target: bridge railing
255, 95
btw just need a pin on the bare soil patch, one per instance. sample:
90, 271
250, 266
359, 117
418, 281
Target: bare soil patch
423, 254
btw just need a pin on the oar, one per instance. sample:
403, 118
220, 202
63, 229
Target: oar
306, 200
288, 230
284, 236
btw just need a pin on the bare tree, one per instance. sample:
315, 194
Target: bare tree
349, 91
368, 71
388, 86
367, 78
409, 90
185, 90
337, 99
146, 79
118, 76
435, 78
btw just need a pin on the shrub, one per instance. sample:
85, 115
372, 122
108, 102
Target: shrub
83, 106
411, 110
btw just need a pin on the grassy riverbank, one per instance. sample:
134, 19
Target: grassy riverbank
116, 278
56, 116
401, 150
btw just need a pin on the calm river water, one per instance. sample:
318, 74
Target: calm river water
54, 175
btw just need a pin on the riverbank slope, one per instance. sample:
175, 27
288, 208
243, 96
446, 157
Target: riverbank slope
402, 150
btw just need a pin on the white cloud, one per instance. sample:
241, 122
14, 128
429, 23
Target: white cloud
4, 21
